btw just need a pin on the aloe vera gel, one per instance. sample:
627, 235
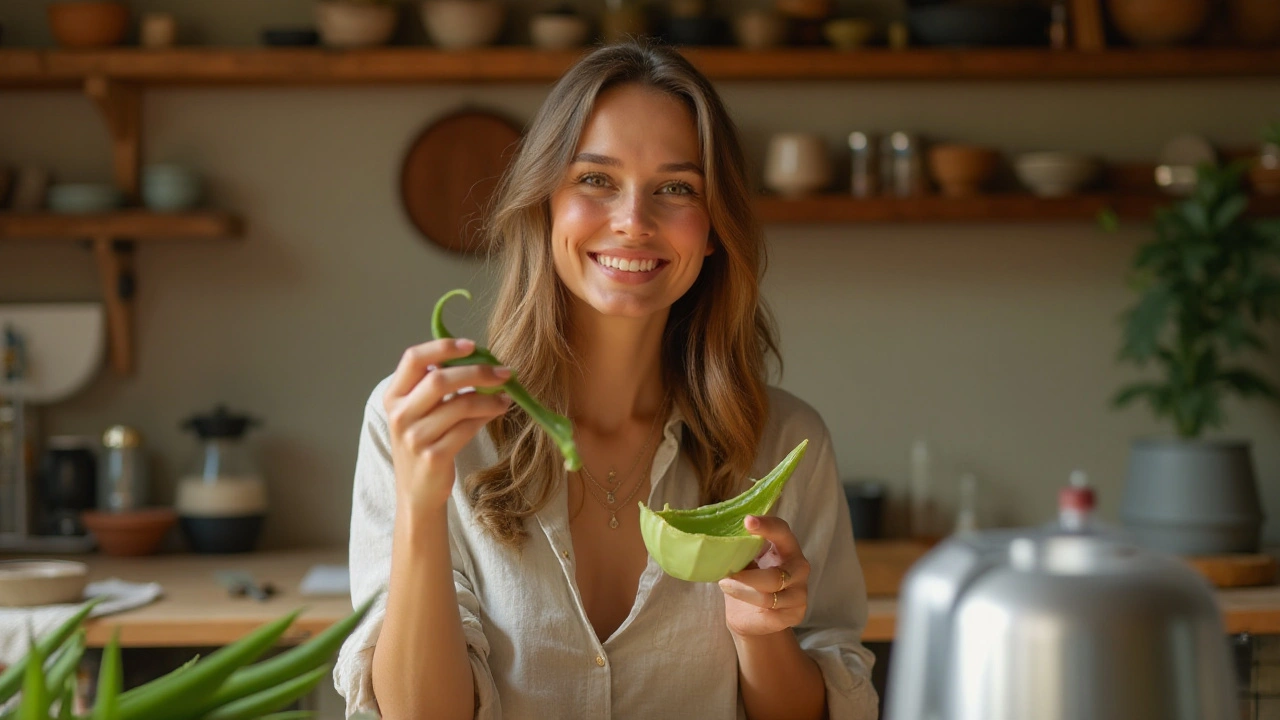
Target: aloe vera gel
707, 543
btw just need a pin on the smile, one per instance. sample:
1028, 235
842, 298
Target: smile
630, 265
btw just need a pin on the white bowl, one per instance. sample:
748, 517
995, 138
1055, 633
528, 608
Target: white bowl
24, 583
462, 24
558, 32
351, 25
1055, 174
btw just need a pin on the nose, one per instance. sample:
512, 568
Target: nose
633, 216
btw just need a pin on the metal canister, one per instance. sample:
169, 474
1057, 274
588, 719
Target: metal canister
864, 180
122, 478
904, 163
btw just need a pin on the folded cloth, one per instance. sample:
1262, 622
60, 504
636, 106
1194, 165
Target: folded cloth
43, 619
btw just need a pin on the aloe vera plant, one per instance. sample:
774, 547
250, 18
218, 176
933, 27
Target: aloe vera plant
558, 427
707, 543
223, 686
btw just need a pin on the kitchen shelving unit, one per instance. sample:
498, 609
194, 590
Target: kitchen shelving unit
116, 79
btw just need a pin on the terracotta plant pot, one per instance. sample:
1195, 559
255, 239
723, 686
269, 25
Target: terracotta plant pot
1159, 22
88, 23
1255, 22
962, 170
129, 533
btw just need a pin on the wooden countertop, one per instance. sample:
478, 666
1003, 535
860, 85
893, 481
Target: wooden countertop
197, 611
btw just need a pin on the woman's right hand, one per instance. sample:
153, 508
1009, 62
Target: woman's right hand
430, 420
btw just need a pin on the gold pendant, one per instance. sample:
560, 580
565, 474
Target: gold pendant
612, 476
609, 496
613, 522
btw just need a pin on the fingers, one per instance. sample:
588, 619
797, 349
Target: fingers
429, 431
439, 384
419, 359
792, 598
776, 531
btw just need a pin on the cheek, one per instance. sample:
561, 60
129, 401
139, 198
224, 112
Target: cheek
690, 228
575, 218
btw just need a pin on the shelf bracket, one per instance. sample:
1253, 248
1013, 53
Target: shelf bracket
115, 267
121, 105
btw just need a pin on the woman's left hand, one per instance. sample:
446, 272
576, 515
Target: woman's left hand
772, 593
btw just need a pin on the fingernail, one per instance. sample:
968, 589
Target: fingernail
752, 522
502, 372
504, 398
465, 345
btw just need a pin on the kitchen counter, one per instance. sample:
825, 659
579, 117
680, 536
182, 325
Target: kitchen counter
197, 611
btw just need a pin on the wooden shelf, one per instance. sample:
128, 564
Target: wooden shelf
124, 224
982, 208
301, 66
112, 237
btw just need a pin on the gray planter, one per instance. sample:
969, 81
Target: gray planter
1192, 497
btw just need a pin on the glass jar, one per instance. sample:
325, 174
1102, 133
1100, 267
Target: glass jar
221, 498
123, 481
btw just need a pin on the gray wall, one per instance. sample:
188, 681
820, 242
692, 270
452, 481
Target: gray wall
996, 342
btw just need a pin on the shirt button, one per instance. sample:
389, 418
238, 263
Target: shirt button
600, 661
565, 553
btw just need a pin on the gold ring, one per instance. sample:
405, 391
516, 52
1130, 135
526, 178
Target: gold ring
783, 580
774, 606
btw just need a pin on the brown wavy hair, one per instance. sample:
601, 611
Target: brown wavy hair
717, 337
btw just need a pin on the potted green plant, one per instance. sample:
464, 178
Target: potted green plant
1207, 282
223, 686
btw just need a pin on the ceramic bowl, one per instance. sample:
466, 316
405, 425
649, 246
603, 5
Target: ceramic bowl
88, 23
170, 188
551, 31
759, 29
797, 164
131, 532
962, 170
1054, 174
849, 33
462, 24
24, 583
1159, 22
351, 25
84, 198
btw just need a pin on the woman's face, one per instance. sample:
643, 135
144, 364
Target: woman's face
629, 222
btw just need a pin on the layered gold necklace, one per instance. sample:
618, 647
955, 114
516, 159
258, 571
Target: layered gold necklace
610, 494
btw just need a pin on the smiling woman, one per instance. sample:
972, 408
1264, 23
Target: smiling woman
630, 304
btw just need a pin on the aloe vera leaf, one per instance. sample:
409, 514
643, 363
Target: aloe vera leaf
68, 699
270, 700
254, 678
180, 696
143, 689
11, 678
64, 664
107, 699
557, 426
35, 696
725, 519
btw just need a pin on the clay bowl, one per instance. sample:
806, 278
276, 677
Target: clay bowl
24, 583
129, 533
88, 23
962, 170
1159, 22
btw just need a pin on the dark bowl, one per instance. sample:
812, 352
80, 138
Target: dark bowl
977, 25
290, 37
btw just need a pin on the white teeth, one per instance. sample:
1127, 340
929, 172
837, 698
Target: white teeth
627, 265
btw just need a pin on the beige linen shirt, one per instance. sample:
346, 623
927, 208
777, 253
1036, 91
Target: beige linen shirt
534, 654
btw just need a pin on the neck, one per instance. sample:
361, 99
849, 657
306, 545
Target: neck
623, 360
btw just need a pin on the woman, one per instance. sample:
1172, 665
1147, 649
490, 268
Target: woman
629, 302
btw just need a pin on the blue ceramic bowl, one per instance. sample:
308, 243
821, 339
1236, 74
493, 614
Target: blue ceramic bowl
84, 198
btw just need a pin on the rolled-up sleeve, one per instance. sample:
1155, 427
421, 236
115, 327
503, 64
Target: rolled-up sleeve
832, 630
372, 530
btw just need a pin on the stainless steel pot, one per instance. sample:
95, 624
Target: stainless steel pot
1057, 626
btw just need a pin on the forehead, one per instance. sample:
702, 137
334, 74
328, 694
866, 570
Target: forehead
642, 124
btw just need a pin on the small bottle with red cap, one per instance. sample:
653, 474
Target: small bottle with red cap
1076, 504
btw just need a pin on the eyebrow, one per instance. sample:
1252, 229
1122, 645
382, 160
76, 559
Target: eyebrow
615, 162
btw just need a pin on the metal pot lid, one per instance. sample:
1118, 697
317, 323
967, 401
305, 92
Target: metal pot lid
220, 424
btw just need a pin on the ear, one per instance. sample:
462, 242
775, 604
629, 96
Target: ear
711, 245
